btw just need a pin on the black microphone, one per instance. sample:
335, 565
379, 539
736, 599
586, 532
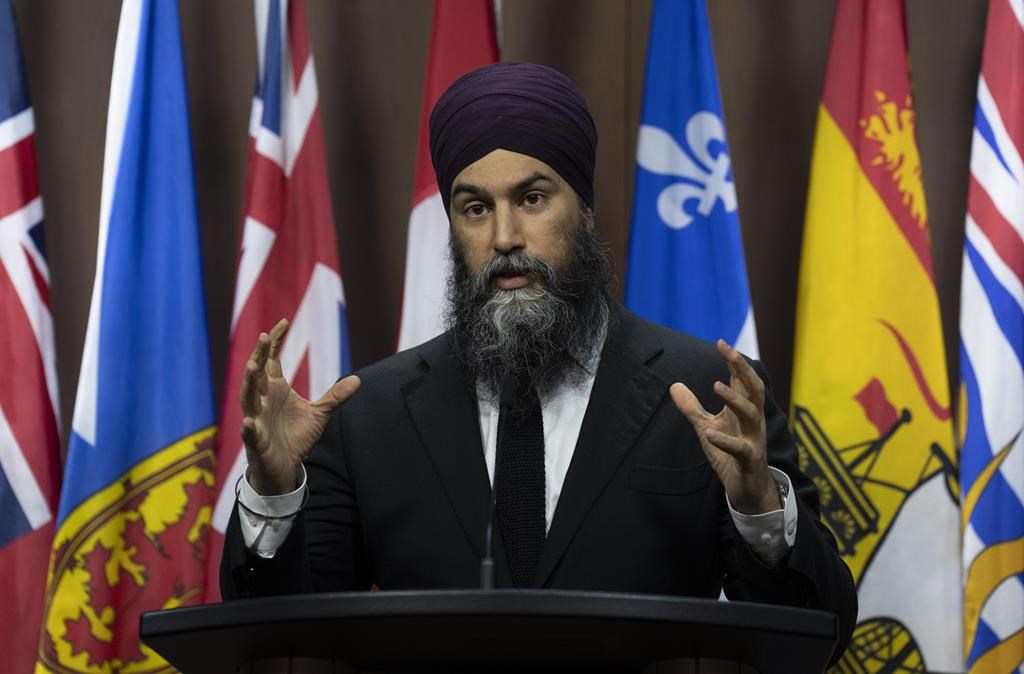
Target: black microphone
487, 563
509, 401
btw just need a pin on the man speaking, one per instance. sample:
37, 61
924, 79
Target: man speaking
606, 452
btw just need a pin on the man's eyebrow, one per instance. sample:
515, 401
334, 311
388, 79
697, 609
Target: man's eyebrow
528, 181
467, 188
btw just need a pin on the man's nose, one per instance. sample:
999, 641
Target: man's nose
508, 233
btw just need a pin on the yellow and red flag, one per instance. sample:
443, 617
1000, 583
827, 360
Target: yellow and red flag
870, 410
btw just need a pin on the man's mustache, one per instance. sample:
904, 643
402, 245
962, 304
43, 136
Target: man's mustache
516, 263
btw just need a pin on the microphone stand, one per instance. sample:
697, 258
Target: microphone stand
509, 401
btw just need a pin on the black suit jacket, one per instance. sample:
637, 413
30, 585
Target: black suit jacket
400, 496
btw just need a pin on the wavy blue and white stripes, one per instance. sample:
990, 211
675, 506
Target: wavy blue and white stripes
992, 360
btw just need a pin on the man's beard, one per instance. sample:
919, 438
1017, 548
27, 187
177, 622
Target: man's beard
544, 333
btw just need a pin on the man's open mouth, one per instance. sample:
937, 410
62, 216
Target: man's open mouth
511, 280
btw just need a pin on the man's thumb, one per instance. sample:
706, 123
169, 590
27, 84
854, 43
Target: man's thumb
340, 392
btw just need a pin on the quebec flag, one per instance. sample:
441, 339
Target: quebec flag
686, 267
135, 507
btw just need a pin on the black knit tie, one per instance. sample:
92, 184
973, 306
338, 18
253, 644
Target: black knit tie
519, 480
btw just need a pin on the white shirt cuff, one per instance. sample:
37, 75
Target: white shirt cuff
770, 535
264, 536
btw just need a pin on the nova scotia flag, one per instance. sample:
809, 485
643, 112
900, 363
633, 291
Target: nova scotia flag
135, 506
686, 267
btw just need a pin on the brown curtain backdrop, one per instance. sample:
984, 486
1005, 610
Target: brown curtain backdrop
370, 58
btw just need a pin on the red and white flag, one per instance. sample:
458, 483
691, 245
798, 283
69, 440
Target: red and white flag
288, 259
29, 444
463, 38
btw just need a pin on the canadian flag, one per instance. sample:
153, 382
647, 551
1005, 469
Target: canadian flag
462, 39
288, 261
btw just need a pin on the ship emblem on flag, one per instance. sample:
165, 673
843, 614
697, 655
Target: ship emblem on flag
870, 400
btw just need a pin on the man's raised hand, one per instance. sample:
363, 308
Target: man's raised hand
734, 440
280, 427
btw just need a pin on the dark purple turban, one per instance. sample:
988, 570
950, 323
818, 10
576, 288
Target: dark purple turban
522, 107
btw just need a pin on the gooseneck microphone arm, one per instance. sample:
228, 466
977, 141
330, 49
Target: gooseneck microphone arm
487, 563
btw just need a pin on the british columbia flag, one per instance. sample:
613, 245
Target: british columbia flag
992, 356
29, 444
288, 260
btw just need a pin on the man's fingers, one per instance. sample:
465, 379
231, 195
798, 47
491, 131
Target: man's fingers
259, 354
276, 338
258, 350
249, 434
741, 370
729, 444
249, 396
746, 411
339, 393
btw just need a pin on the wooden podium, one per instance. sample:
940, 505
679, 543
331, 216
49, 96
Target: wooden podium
491, 631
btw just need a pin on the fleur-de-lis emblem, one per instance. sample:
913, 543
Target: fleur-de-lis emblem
658, 152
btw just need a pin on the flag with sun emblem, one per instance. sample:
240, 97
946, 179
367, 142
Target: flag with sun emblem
870, 394
135, 506
991, 401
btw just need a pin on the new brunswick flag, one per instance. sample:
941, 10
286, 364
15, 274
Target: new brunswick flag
133, 521
871, 411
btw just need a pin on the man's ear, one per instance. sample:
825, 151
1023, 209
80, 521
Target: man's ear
587, 214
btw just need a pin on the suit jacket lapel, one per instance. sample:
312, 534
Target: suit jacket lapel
447, 420
625, 394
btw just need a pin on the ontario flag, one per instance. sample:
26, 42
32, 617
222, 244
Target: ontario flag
992, 356
870, 394
29, 444
288, 259
462, 39
133, 523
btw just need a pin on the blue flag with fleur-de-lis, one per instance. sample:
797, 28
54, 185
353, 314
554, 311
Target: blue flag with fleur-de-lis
686, 267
